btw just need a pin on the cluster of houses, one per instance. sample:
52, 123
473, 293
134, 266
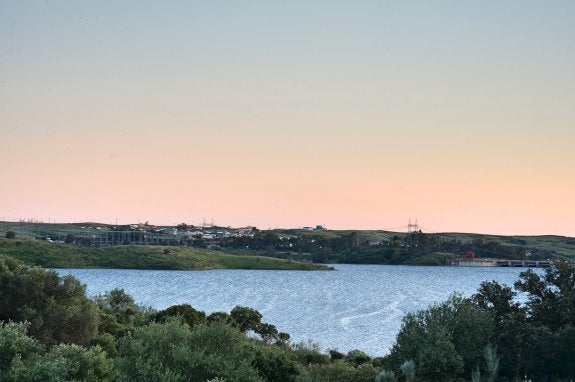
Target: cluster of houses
143, 234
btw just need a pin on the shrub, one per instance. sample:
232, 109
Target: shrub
171, 351
56, 307
23, 358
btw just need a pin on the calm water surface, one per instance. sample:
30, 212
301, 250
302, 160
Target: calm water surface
354, 307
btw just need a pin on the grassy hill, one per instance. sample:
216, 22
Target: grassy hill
53, 255
176, 247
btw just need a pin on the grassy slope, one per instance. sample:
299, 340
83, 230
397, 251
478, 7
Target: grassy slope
562, 245
51, 255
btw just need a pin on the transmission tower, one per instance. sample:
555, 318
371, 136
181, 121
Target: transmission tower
412, 233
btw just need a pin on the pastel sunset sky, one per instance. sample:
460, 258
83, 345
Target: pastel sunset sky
351, 114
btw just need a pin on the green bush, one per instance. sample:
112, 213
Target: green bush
186, 312
338, 371
357, 357
171, 351
445, 341
56, 307
309, 354
23, 358
119, 314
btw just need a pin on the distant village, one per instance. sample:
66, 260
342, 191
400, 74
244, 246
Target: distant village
145, 234
206, 235
310, 243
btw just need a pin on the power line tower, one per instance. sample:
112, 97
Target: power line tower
412, 233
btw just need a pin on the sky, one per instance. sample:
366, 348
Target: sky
349, 114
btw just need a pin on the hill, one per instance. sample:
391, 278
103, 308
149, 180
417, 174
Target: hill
197, 247
54, 255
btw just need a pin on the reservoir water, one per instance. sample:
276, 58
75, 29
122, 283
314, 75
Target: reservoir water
354, 307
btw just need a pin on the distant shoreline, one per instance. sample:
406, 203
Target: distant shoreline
67, 256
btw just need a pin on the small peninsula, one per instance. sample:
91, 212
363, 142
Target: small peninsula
55, 255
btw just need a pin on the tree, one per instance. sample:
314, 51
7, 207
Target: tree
182, 227
10, 235
119, 313
56, 307
357, 357
444, 341
186, 312
498, 299
546, 336
551, 296
248, 319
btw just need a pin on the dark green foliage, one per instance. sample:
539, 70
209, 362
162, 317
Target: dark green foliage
408, 370
380, 247
186, 313
535, 339
283, 339
171, 351
248, 319
56, 307
379, 362
219, 316
72, 363
492, 335
552, 296
119, 313
445, 340
15, 343
273, 363
334, 355
10, 235
357, 357
365, 372
107, 342
562, 355
309, 354
23, 358
338, 371
497, 299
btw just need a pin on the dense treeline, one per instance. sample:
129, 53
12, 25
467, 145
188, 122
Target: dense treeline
50, 331
323, 246
491, 334
416, 248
